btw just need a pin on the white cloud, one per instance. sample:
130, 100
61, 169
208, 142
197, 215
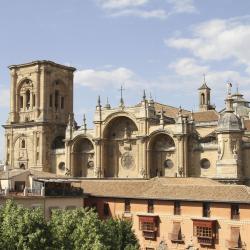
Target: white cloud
5, 97
145, 8
159, 13
98, 79
218, 40
188, 74
188, 67
119, 4
183, 6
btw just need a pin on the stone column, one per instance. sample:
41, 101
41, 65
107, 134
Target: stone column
144, 171
13, 96
99, 171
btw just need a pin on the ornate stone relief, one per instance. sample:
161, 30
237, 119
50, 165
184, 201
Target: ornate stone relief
127, 160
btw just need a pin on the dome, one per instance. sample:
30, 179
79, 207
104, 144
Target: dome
229, 122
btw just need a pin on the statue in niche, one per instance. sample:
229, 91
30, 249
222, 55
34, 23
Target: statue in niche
221, 144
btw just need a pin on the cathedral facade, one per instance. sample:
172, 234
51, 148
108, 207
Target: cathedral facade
146, 140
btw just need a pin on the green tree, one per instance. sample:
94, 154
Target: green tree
119, 235
76, 229
22, 228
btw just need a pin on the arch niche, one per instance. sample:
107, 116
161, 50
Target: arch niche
162, 155
83, 158
120, 151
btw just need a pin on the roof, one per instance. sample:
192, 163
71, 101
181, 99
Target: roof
186, 189
206, 116
170, 111
42, 62
5, 175
204, 86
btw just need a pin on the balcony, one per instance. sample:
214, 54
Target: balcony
205, 241
149, 235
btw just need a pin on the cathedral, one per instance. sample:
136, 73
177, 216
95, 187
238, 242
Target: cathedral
146, 140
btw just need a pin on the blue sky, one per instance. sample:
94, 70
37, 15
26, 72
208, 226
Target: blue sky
164, 46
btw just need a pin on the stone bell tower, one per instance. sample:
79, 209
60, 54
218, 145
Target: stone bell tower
204, 97
41, 100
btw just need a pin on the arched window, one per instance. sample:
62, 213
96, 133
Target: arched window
21, 102
62, 102
27, 99
202, 98
23, 144
56, 99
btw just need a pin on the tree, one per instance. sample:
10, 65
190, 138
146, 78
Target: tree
22, 228
119, 235
76, 229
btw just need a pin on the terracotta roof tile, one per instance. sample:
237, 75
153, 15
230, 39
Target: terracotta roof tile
169, 110
192, 189
206, 116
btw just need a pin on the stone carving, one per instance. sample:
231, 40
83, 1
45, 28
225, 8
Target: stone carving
90, 164
127, 160
143, 173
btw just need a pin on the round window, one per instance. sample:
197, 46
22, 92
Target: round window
205, 163
61, 166
168, 163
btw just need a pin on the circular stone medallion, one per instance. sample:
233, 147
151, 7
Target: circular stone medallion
127, 160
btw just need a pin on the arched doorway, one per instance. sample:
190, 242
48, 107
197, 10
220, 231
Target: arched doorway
120, 151
83, 158
162, 155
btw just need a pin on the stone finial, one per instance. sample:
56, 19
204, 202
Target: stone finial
162, 117
98, 102
180, 111
84, 123
121, 98
107, 106
229, 88
144, 96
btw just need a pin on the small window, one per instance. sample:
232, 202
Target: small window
106, 209
177, 208
21, 102
150, 206
205, 163
51, 101
235, 212
62, 102
8, 143
19, 186
37, 156
206, 210
127, 206
23, 144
